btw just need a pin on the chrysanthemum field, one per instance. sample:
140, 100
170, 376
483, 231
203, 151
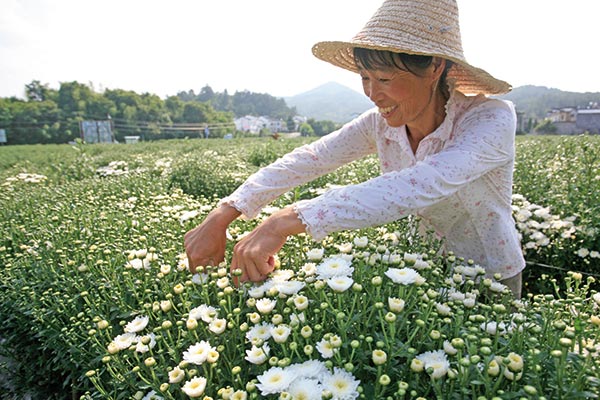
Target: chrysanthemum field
97, 301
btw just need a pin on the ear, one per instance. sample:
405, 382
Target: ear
439, 64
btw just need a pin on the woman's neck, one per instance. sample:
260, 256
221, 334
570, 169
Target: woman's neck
428, 121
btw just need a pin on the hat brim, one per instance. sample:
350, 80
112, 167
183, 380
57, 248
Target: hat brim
467, 78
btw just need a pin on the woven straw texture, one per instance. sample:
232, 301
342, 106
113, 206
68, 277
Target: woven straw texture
426, 27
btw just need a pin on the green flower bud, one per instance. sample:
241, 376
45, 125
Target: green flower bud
384, 380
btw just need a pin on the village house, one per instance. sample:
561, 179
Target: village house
254, 125
573, 121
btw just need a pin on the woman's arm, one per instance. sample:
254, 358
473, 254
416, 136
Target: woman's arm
351, 142
483, 141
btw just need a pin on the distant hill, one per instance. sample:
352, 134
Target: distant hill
330, 102
536, 101
335, 102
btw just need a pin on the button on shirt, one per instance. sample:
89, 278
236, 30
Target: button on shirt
459, 181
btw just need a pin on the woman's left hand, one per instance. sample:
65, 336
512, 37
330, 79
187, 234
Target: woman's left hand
253, 255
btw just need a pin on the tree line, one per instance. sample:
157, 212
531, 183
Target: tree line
49, 115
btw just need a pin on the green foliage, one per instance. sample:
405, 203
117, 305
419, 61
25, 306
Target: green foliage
322, 128
546, 126
561, 173
306, 129
536, 101
86, 249
202, 174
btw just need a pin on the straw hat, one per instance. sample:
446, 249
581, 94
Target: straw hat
424, 27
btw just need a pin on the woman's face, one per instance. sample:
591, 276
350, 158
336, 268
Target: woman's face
403, 98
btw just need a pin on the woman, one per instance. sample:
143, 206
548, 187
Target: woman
444, 156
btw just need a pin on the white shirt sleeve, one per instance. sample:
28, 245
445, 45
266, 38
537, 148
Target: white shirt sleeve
482, 140
302, 165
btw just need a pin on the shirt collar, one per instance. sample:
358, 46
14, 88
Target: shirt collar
442, 133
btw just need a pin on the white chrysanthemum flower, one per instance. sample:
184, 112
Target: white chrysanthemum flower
198, 279
261, 331
340, 283
395, 304
204, 313
187, 215
176, 375
301, 302
140, 347
223, 282
138, 324
443, 309
305, 389
290, 288
165, 305
281, 275
449, 349
258, 291
311, 369
239, 395
594, 254
421, 265
152, 395
436, 363
411, 258
280, 333
198, 353
275, 380
493, 327
596, 298
326, 348
265, 305
498, 287
469, 302
404, 276
344, 247
297, 318
583, 252
194, 387
125, 340
341, 384
309, 269
361, 242
217, 325
258, 355
315, 254
138, 263
165, 269
523, 215
393, 259
515, 362
334, 266
455, 295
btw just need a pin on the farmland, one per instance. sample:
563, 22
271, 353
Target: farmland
97, 301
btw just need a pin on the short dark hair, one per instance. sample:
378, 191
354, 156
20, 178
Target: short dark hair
413, 63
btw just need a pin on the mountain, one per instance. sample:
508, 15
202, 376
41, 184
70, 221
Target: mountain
335, 102
330, 102
536, 101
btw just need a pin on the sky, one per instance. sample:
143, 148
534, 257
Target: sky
264, 46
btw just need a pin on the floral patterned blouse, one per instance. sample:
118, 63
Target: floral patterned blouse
459, 181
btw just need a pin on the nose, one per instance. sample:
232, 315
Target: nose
371, 88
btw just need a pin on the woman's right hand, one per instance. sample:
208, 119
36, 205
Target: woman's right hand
205, 244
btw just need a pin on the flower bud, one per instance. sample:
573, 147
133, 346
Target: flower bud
384, 380
103, 324
379, 357
150, 362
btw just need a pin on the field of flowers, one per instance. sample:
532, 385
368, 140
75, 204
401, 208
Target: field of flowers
96, 300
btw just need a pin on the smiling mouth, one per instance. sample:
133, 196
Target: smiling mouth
386, 110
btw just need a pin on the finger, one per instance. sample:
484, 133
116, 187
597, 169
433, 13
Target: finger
254, 273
